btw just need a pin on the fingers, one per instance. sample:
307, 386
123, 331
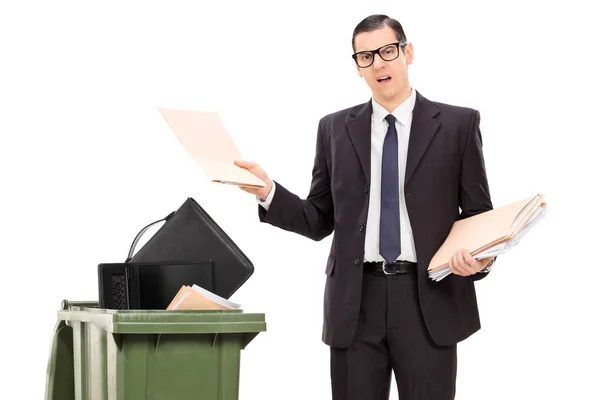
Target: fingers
245, 164
488, 260
254, 168
454, 266
249, 189
461, 263
472, 264
483, 263
451, 266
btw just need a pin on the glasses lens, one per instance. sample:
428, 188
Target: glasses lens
389, 53
364, 59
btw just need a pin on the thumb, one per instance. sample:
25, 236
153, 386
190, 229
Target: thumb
245, 164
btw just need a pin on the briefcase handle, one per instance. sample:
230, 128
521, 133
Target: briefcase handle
139, 235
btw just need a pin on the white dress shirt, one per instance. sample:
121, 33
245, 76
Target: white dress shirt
379, 126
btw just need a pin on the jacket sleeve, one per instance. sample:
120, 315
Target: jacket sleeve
311, 217
474, 193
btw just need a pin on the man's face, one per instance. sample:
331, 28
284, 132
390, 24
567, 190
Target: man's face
388, 80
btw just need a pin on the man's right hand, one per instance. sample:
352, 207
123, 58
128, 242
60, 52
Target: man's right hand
255, 169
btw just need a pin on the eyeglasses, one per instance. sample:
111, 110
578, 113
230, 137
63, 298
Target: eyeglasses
387, 52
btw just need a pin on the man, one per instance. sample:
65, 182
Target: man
390, 177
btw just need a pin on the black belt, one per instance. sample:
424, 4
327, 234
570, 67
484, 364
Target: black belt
397, 267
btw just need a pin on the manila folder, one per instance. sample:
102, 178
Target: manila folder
189, 299
484, 230
203, 135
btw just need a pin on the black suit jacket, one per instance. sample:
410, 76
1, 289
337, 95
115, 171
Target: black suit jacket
445, 171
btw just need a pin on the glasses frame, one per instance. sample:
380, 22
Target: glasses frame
377, 51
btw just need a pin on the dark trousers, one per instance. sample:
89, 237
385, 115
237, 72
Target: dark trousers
392, 336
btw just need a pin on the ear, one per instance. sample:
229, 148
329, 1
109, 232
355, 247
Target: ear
410, 53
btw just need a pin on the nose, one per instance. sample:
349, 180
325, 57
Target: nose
378, 62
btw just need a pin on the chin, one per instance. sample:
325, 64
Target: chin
389, 94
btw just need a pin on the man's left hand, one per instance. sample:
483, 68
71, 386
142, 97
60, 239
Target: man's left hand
464, 264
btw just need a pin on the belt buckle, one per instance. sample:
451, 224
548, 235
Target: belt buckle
384, 270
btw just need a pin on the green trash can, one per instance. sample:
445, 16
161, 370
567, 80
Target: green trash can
148, 354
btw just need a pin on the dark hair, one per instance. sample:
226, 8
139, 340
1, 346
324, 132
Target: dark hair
378, 21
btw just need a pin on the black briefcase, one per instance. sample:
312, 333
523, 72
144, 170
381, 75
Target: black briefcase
150, 285
189, 234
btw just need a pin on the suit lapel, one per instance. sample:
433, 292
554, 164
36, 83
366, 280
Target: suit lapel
422, 131
423, 128
359, 129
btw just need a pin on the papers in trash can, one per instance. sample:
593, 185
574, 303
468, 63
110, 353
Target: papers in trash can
198, 298
489, 234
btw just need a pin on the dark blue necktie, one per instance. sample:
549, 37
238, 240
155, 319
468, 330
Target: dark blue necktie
389, 223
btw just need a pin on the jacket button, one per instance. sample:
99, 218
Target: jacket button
357, 262
361, 227
366, 190
409, 194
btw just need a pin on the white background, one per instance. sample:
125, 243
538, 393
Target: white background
87, 161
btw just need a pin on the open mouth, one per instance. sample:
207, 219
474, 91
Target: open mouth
384, 79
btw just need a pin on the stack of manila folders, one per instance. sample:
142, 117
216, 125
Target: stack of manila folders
197, 298
488, 234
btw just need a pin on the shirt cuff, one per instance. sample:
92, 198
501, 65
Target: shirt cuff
488, 267
265, 204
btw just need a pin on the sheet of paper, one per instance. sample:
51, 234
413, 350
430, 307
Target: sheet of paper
192, 300
216, 298
501, 248
204, 136
196, 298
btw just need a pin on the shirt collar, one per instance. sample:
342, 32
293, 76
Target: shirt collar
402, 113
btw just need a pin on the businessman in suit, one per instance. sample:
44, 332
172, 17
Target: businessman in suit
390, 177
